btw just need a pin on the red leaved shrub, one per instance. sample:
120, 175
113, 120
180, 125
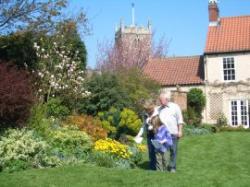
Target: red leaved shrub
16, 95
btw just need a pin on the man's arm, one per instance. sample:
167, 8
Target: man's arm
180, 121
180, 134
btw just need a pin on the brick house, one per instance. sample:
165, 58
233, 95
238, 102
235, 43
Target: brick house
221, 71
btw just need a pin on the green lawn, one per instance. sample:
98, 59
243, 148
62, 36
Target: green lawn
215, 160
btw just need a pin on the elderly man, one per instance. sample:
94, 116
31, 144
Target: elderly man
170, 114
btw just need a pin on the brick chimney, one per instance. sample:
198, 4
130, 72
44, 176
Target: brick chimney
213, 11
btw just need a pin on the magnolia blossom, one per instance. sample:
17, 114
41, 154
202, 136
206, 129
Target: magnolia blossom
40, 74
60, 72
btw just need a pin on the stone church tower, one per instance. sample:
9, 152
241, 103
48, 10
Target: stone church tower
133, 37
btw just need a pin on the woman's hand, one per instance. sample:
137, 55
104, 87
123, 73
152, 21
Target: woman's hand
163, 141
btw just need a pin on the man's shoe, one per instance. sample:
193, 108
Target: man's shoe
172, 171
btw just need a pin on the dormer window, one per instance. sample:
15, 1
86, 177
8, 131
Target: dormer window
228, 69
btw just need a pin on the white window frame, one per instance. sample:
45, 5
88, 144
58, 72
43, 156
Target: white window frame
231, 115
228, 69
239, 112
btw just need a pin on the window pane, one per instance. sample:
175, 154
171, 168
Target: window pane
234, 117
243, 112
228, 67
224, 65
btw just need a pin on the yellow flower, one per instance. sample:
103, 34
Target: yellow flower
142, 148
112, 147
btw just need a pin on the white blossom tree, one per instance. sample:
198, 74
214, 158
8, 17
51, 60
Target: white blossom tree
60, 72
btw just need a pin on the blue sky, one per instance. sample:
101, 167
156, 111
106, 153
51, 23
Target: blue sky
183, 22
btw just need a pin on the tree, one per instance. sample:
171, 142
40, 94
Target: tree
160, 48
16, 96
127, 53
138, 86
35, 14
105, 93
68, 28
30, 20
60, 72
196, 101
120, 89
18, 48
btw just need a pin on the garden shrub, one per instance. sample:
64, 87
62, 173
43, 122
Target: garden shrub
92, 126
136, 151
41, 118
130, 122
123, 163
190, 130
191, 117
221, 121
68, 143
196, 102
15, 165
234, 129
16, 96
110, 120
196, 99
107, 93
110, 129
210, 127
56, 108
102, 159
125, 139
20, 149
38, 119
120, 123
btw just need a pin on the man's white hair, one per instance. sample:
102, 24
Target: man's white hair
166, 95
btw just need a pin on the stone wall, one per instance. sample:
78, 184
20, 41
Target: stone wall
180, 98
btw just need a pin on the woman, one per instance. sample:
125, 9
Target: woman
150, 111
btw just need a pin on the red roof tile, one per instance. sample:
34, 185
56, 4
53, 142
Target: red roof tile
176, 70
231, 35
